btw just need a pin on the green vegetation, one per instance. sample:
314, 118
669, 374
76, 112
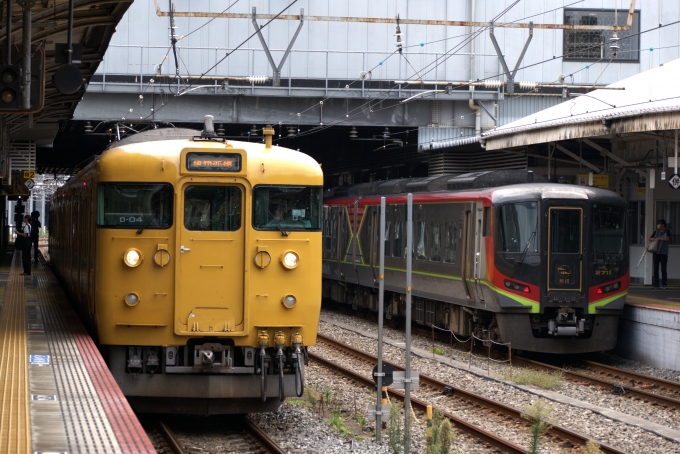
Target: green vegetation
361, 420
593, 447
439, 351
545, 380
299, 403
338, 424
440, 435
539, 414
397, 437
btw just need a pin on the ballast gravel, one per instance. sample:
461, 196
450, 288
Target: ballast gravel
602, 429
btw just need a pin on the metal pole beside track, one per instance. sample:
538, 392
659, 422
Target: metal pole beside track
407, 372
381, 299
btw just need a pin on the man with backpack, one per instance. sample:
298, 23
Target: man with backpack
35, 233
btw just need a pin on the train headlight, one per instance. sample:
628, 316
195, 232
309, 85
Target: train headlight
609, 288
289, 301
131, 299
517, 286
290, 259
132, 257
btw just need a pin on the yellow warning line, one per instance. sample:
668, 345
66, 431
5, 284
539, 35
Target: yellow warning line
15, 423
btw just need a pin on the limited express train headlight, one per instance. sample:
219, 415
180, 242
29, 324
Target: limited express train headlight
289, 301
290, 259
132, 257
609, 288
517, 286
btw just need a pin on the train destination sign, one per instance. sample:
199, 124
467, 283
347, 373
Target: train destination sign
214, 162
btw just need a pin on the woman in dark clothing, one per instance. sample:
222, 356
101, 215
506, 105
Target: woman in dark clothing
660, 257
26, 249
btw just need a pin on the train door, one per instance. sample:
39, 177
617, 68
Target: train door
211, 249
565, 248
467, 252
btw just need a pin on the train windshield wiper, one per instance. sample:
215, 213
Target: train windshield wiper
283, 232
141, 229
526, 248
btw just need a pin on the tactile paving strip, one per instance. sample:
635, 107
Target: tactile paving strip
97, 417
15, 425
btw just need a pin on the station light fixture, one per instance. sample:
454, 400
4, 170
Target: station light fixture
220, 130
253, 130
353, 133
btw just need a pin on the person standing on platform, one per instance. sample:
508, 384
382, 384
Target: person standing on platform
35, 233
26, 246
660, 257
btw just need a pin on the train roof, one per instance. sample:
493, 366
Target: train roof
137, 156
499, 186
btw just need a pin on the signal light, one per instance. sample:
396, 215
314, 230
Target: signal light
517, 286
609, 288
10, 87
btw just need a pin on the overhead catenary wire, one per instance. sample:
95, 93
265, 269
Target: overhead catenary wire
340, 121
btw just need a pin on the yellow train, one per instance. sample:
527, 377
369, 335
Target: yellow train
197, 263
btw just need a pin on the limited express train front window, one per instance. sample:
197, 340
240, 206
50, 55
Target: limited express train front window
287, 207
134, 205
519, 227
609, 229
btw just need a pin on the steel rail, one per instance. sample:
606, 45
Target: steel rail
641, 394
477, 432
603, 382
671, 386
556, 431
170, 438
269, 444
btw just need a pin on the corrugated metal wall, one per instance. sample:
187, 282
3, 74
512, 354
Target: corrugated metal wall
515, 107
342, 50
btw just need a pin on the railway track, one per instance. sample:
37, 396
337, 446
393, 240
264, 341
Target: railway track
558, 437
239, 432
629, 384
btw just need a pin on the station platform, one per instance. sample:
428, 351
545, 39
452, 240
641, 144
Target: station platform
57, 394
647, 296
649, 328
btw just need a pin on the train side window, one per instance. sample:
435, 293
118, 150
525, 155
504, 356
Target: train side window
397, 251
388, 231
487, 221
212, 208
421, 246
450, 242
435, 249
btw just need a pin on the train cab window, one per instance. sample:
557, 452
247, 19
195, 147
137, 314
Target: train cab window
519, 227
287, 207
212, 208
134, 205
609, 229
397, 250
435, 249
450, 242
421, 241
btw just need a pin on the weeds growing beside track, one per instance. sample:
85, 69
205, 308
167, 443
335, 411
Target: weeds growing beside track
542, 379
539, 414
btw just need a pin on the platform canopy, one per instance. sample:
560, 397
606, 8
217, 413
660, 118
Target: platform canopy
649, 101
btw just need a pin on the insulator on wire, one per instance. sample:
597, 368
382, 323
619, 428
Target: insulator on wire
527, 85
492, 84
257, 79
